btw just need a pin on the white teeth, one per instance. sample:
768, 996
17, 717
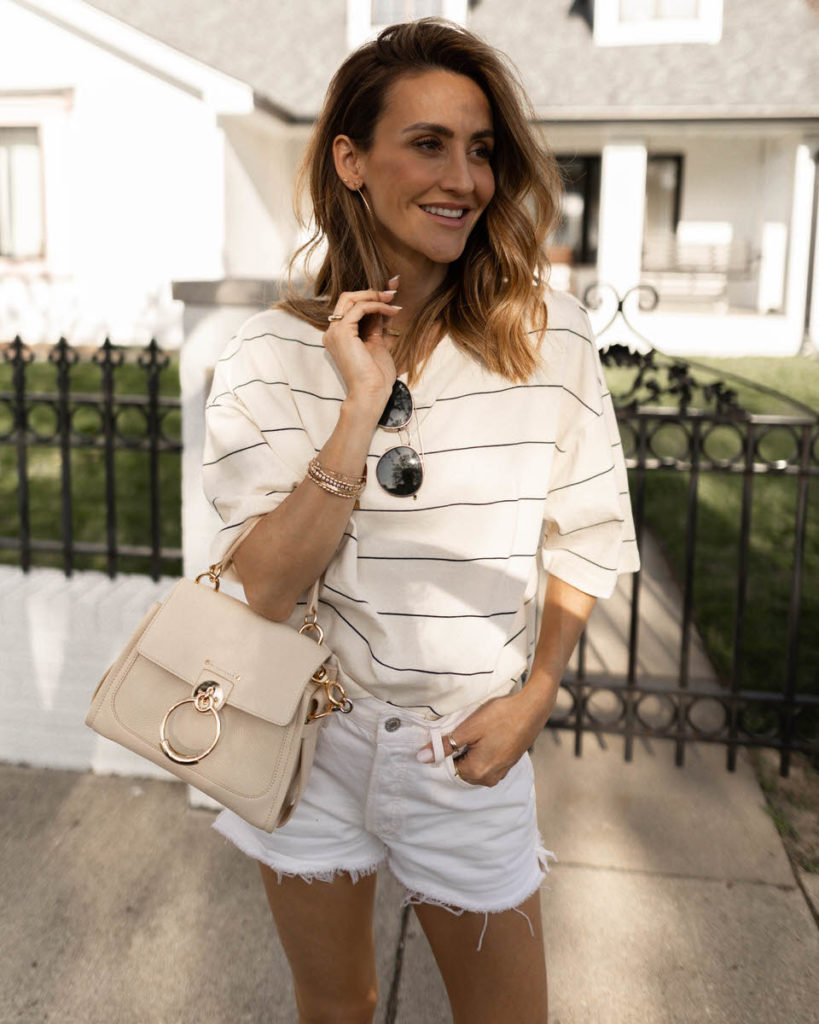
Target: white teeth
442, 212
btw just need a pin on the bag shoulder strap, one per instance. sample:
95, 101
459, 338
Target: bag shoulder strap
227, 558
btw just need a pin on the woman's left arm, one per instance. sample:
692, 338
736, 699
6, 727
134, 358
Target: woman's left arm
501, 730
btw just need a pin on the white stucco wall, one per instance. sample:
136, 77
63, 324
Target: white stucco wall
262, 159
134, 188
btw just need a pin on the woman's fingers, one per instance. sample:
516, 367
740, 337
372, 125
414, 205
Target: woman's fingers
347, 301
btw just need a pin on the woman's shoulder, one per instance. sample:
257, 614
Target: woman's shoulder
566, 313
270, 335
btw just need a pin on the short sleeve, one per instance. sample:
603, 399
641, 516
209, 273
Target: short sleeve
588, 531
256, 448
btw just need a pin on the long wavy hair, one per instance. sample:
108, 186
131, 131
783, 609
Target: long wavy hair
492, 298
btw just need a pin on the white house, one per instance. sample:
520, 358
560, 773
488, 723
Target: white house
142, 145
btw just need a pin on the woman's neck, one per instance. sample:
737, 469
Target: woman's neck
415, 286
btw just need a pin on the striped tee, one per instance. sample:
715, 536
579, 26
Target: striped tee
431, 602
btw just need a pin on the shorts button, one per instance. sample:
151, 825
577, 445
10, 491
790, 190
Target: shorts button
392, 724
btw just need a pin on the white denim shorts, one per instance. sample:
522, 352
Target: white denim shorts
369, 801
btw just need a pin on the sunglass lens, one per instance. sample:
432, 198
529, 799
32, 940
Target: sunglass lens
398, 409
399, 470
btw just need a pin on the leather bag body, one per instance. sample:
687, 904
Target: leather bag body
256, 676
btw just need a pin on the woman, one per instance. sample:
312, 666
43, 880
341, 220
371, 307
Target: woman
430, 317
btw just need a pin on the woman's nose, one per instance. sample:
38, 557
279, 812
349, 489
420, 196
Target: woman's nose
457, 176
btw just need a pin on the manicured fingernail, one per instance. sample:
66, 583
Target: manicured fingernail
425, 755
394, 280
390, 292
396, 307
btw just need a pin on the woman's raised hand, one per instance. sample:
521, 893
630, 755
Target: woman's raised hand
358, 346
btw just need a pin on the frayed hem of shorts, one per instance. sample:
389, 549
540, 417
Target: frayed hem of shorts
328, 875
251, 849
413, 897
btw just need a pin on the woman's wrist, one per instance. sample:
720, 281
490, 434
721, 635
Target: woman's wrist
538, 696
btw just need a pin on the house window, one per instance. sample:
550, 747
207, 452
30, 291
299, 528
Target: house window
653, 10
632, 22
21, 194
388, 12
580, 209
366, 18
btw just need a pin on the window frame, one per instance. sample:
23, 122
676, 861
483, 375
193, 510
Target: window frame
610, 31
360, 26
49, 113
8, 259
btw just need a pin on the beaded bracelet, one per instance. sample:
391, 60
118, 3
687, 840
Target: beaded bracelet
336, 483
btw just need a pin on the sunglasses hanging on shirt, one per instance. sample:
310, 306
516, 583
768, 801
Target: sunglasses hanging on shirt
400, 470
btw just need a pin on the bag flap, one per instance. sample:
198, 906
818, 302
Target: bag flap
268, 662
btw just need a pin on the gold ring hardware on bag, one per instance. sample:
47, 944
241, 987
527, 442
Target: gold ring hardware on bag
207, 696
310, 623
212, 575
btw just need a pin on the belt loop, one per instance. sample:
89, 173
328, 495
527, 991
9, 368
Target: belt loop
437, 744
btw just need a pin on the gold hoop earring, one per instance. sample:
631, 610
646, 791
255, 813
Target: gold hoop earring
364, 201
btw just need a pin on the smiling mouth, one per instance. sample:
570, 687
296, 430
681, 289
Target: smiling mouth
448, 212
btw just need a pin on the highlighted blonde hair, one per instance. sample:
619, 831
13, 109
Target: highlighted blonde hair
491, 301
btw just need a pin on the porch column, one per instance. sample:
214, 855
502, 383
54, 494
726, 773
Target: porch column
622, 208
804, 173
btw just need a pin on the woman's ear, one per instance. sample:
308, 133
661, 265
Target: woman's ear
347, 161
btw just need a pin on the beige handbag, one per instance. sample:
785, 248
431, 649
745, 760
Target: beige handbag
225, 699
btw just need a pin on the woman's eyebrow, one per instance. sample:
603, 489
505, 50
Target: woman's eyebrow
441, 129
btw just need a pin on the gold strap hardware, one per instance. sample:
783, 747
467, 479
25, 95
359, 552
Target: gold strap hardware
212, 575
336, 698
335, 694
206, 697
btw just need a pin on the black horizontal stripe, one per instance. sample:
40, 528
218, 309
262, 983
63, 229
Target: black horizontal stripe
278, 430
480, 447
591, 526
513, 638
566, 330
260, 380
321, 398
221, 394
495, 391
579, 399
591, 561
396, 668
414, 615
236, 451
440, 558
235, 526
253, 337
268, 493
297, 341
459, 504
584, 481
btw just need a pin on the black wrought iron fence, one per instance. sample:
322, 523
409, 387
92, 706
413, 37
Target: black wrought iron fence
90, 444
90, 447
681, 421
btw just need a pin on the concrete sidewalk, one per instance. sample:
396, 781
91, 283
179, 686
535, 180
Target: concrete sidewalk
672, 900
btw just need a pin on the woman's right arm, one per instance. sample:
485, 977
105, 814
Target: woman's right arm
291, 546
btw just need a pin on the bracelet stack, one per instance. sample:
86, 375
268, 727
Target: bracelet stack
336, 483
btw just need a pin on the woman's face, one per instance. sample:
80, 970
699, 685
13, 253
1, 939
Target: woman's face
428, 175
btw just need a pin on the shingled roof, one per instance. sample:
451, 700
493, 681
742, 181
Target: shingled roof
286, 50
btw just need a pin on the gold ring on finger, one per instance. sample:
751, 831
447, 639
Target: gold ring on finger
335, 316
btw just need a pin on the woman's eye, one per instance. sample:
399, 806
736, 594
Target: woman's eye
427, 143
483, 152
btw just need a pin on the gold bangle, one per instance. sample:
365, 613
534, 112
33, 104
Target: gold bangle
336, 483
